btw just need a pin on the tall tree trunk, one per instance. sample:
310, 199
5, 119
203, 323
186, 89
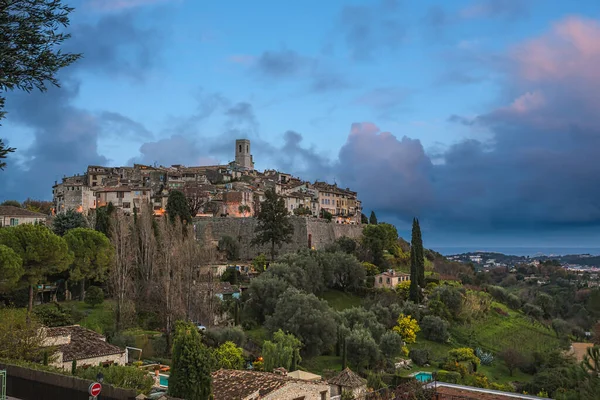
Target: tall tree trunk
67, 292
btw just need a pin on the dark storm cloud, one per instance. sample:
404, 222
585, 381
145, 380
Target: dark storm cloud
65, 137
539, 169
368, 29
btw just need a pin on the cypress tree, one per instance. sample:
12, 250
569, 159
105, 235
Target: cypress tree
177, 206
373, 218
74, 367
190, 374
413, 293
419, 255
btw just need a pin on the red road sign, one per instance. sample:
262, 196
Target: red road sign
94, 389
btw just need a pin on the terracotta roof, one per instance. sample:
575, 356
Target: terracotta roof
347, 378
393, 273
446, 391
236, 385
84, 343
12, 211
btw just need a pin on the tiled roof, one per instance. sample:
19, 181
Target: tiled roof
448, 391
84, 343
12, 211
347, 378
236, 385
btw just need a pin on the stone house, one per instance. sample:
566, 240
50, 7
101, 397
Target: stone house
13, 216
123, 197
347, 381
83, 345
252, 385
73, 193
390, 279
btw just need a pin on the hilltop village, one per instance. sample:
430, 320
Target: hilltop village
235, 189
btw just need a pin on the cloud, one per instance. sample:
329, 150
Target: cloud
384, 99
118, 5
368, 29
65, 136
496, 9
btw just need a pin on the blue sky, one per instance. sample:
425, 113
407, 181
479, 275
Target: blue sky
476, 115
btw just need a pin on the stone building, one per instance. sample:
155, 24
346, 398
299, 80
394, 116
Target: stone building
13, 216
252, 385
347, 381
243, 156
73, 193
390, 279
123, 197
83, 345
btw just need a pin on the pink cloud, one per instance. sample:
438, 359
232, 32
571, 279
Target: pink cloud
116, 5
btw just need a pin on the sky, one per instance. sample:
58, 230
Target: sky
479, 117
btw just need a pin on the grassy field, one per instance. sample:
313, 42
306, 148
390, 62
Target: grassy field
100, 318
317, 365
340, 300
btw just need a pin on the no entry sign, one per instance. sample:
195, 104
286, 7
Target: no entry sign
95, 389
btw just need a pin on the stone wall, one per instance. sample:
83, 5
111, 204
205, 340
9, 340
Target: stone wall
320, 233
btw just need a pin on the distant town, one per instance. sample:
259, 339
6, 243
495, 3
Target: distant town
235, 189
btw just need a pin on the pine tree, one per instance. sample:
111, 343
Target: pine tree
190, 374
274, 225
414, 266
373, 218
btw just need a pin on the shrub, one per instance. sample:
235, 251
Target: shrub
448, 376
476, 379
94, 296
120, 376
486, 358
233, 334
513, 301
53, 314
419, 356
435, 328
498, 293
231, 247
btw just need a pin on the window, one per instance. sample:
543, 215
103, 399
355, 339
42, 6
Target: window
380, 279
387, 280
14, 221
127, 205
240, 148
247, 149
120, 195
323, 395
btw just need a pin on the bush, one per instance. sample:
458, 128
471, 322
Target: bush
419, 356
53, 314
94, 296
448, 376
435, 328
120, 376
486, 358
498, 293
513, 301
231, 247
233, 334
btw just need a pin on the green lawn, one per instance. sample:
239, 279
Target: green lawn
100, 318
341, 300
317, 365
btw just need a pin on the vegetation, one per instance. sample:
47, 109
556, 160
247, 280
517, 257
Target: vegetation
120, 376
95, 296
283, 351
178, 207
373, 218
274, 226
68, 220
231, 247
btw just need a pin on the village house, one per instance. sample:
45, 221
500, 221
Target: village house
390, 279
73, 193
123, 197
13, 216
83, 345
251, 385
347, 381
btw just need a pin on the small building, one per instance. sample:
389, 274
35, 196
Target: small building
347, 381
251, 385
83, 345
123, 197
390, 279
13, 216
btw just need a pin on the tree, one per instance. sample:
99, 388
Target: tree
121, 376
281, 352
30, 55
418, 258
93, 256
302, 211
229, 356
4, 149
263, 295
326, 215
373, 218
103, 216
274, 225
190, 372
413, 290
512, 359
69, 220
308, 318
363, 219
362, 349
434, 328
11, 268
358, 317
561, 327
12, 203
407, 327
94, 296
391, 344
177, 206
43, 253
196, 197
231, 247
41, 206
121, 274
18, 338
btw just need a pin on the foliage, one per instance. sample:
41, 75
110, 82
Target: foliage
122, 376
18, 339
446, 302
11, 268
103, 219
378, 238
345, 244
41, 206
486, 358
561, 327
362, 350
4, 149
403, 289
231, 247
274, 225
364, 219
264, 292
535, 312
94, 296
448, 376
359, 317
190, 373
281, 351
68, 220
373, 218
417, 257
390, 344
435, 328
259, 263
301, 211
43, 253
229, 356
177, 207
513, 301
53, 314
407, 327
419, 356
12, 203
306, 317
93, 255
463, 354
512, 359
326, 215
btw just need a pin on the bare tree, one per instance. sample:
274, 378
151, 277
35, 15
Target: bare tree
196, 196
121, 275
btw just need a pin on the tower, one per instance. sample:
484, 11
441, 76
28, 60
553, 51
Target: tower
243, 158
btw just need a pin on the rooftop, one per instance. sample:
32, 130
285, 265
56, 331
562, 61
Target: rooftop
12, 211
347, 378
236, 385
84, 343
448, 391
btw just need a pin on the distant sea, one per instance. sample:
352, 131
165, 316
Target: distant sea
519, 251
